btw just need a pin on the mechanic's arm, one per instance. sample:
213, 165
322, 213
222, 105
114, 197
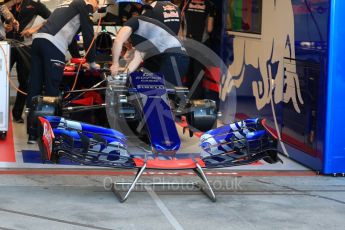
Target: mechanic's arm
86, 25
73, 49
6, 13
183, 27
11, 3
42, 11
210, 24
122, 36
210, 19
181, 33
9, 18
30, 31
135, 62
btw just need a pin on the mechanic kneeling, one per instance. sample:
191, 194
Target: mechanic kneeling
50, 46
155, 43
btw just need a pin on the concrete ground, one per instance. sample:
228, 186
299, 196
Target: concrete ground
83, 202
280, 196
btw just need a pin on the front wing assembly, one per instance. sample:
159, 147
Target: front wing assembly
236, 144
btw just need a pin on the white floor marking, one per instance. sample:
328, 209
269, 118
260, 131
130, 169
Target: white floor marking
164, 209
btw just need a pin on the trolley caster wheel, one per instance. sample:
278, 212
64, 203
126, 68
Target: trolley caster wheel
3, 135
334, 175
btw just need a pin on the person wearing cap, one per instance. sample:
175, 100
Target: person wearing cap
50, 46
154, 43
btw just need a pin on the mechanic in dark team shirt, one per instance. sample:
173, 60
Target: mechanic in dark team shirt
154, 43
50, 45
165, 12
197, 23
197, 18
25, 11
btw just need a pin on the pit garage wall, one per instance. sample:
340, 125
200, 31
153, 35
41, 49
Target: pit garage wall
281, 74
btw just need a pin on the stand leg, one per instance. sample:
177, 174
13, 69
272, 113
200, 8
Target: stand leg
198, 171
124, 198
208, 191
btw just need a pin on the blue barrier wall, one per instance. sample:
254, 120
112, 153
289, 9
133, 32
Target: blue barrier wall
334, 155
292, 74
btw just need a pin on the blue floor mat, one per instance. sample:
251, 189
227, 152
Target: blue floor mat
31, 156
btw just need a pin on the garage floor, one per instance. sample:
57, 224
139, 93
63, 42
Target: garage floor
259, 196
82, 202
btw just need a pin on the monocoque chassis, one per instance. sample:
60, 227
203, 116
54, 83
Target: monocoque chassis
142, 98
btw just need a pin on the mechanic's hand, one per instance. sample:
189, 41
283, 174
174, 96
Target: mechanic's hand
8, 27
15, 25
86, 65
94, 66
27, 32
114, 69
129, 55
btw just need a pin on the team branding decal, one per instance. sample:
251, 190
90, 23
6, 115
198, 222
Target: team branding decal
170, 13
30, 7
273, 60
47, 136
